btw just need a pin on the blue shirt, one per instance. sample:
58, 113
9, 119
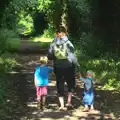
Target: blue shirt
41, 74
88, 83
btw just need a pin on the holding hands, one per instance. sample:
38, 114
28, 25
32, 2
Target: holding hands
78, 74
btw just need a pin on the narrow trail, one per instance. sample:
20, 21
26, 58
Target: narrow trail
24, 81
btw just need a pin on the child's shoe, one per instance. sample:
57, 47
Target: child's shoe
44, 107
39, 105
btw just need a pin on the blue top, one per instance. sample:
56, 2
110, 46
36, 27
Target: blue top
88, 83
41, 74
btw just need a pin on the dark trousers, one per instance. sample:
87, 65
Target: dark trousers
65, 75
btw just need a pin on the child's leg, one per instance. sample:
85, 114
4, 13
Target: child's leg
38, 93
86, 106
43, 100
91, 107
44, 94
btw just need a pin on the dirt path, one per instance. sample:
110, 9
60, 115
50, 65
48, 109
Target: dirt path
23, 85
27, 97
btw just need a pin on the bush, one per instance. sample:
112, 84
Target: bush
106, 71
6, 40
7, 62
49, 33
89, 45
25, 24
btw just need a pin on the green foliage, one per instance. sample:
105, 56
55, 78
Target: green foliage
49, 33
7, 62
19, 14
106, 71
89, 45
25, 23
79, 16
8, 38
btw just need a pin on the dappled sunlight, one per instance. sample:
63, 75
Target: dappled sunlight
32, 104
42, 39
52, 83
106, 71
24, 89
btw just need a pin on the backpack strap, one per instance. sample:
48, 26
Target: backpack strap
60, 51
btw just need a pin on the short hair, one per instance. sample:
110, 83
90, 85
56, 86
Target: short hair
43, 59
90, 73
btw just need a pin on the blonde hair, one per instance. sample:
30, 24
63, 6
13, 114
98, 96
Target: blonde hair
43, 60
90, 73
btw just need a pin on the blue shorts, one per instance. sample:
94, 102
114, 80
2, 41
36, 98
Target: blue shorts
88, 98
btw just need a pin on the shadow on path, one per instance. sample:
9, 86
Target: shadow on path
25, 106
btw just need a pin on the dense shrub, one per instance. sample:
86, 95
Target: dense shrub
106, 71
8, 40
7, 62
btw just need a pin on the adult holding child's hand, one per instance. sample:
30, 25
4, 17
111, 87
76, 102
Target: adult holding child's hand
61, 51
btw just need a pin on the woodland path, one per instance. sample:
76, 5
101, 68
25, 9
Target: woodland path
26, 92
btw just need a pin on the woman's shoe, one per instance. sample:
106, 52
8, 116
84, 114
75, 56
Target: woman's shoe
69, 106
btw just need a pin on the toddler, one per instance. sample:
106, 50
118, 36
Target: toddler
88, 98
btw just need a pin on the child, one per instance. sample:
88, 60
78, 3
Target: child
41, 81
88, 98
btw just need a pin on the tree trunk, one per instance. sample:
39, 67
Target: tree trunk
64, 17
60, 13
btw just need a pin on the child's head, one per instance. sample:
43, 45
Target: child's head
90, 74
43, 60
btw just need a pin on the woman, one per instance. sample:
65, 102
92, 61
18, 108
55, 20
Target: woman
61, 51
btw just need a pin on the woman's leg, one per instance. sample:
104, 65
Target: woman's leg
70, 79
60, 85
69, 98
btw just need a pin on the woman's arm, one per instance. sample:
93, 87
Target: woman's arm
71, 54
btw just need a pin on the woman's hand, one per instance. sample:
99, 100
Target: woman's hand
78, 74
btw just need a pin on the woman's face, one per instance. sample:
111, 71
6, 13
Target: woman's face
61, 34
